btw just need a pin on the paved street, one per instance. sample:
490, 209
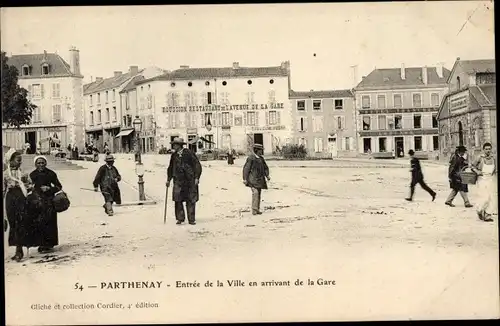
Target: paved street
340, 220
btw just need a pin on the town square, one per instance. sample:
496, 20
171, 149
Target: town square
204, 190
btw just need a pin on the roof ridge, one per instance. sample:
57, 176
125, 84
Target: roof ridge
482, 93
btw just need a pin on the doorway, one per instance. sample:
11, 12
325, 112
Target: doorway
30, 138
367, 145
332, 146
258, 139
192, 143
399, 144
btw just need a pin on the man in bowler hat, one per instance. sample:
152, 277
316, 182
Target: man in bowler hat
255, 173
417, 177
185, 169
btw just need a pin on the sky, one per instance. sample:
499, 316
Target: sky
321, 41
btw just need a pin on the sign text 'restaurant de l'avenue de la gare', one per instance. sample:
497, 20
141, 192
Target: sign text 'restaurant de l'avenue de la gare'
214, 107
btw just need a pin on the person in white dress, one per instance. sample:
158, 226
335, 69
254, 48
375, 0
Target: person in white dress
485, 167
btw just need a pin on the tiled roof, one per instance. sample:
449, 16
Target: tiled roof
392, 77
475, 66
108, 83
132, 83
57, 66
485, 95
321, 94
227, 72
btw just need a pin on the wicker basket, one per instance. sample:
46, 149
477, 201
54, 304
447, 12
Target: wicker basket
468, 177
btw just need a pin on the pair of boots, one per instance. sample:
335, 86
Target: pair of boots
108, 208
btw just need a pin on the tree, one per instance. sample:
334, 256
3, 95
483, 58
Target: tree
16, 108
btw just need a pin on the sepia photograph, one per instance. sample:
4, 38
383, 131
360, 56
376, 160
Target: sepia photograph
249, 163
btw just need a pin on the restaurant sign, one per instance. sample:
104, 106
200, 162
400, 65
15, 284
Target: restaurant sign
268, 128
459, 101
210, 108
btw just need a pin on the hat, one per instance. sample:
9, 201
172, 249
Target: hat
109, 158
258, 146
38, 157
461, 149
411, 152
178, 140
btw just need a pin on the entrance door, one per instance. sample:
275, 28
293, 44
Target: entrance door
332, 146
30, 138
399, 144
192, 144
258, 139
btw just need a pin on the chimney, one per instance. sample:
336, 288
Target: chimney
403, 71
184, 67
117, 73
424, 75
74, 60
98, 79
134, 70
439, 70
363, 77
236, 65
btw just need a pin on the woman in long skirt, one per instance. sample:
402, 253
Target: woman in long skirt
485, 167
16, 189
46, 184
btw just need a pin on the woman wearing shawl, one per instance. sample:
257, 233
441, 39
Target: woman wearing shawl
46, 184
16, 188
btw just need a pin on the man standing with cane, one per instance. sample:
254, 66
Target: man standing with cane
185, 169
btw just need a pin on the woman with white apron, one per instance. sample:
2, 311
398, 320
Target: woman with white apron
485, 167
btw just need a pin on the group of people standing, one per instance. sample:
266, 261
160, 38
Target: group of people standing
29, 213
485, 168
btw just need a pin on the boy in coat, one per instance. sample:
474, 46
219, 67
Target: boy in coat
107, 179
458, 163
255, 173
417, 177
185, 169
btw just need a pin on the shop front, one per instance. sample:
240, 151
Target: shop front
44, 139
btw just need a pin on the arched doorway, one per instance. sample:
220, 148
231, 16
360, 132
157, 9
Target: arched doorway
460, 134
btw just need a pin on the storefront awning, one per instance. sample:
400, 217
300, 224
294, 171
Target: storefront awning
124, 133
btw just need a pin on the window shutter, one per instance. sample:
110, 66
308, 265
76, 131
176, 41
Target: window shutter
42, 91
343, 122
231, 119
204, 98
54, 90
219, 118
245, 118
30, 91
278, 117
351, 143
168, 121
267, 118
202, 119
257, 118
321, 144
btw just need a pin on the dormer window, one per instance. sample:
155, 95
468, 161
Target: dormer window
26, 70
45, 69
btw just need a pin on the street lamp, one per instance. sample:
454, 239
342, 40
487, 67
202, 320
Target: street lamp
139, 168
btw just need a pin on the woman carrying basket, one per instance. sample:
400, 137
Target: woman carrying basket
486, 169
458, 163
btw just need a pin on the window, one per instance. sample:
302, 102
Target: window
56, 113
273, 117
347, 143
251, 118
302, 124
417, 100
318, 145
208, 119
114, 114
98, 98
107, 97
398, 101
107, 114
381, 101
272, 96
434, 99
45, 69
382, 122
339, 104
382, 144
367, 145
340, 125
192, 120
485, 78
316, 104
417, 121
458, 82
435, 143
114, 95
250, 98
366, 123
418, 143
56, 90
301, 105
91, 118
209, 98
434, 121
99, 116
365, 101
210, 138
26, 70
90, 99
398, 121
35, 117
36, 91
317, 123
225, 119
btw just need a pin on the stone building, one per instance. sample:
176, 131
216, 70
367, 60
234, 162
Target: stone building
467, 115
324, 122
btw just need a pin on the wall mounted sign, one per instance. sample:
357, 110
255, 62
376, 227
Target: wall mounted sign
459, 101
201, 108
269, 128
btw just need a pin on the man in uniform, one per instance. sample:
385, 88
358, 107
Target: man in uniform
185, 169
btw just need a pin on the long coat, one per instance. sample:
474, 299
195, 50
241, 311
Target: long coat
184, 168
47, 216
255, 172
107, 179
457, 164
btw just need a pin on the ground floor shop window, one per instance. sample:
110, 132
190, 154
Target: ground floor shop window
435, 143
418, 143
382, 144
367, 145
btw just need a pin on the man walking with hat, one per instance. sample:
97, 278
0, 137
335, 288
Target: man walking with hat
185, 169
458, 163
107, 179
417, 177
255, 173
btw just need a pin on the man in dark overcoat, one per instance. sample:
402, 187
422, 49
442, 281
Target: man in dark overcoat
107, 179
255, 173
417, 177
185, 169
458, 163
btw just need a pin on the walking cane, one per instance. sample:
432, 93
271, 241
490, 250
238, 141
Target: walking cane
165, 212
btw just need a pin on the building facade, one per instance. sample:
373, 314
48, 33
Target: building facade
223, 108
467, 115
56, 88
324, 122
103, 107
397, 110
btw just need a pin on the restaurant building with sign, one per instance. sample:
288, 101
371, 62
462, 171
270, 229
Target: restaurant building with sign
104, 112
223, 108
397, 110
55, 87
324, 122
467, 115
